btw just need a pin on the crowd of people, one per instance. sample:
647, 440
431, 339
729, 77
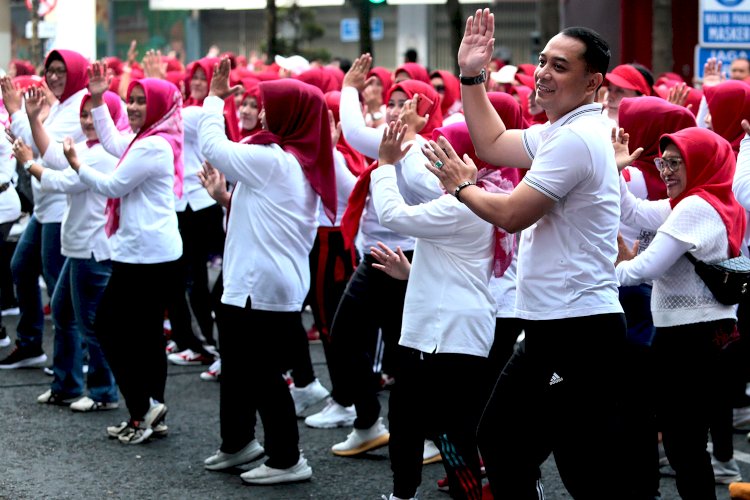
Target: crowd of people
502, 248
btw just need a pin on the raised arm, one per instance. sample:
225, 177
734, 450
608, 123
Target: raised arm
493, 142
35, 102
356, 132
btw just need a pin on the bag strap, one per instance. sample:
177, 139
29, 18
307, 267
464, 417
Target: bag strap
691, 258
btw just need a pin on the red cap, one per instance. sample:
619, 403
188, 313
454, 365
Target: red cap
627, 77
525, 80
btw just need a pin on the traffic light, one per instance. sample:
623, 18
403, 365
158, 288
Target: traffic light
376, 2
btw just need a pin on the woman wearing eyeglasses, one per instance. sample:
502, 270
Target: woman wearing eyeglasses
700, 216
38, 250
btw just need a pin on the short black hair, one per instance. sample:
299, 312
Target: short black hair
597, 53
643, 70
410, 55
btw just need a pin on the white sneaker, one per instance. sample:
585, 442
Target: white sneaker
188, 357
268, 475
213, 373
363, 440
431, 453
88, 404
741, 418
221, 460
171, 347
726, 472
332, 416
155, 414
305, 397
394, 497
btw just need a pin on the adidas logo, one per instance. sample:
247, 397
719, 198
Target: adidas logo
556, 379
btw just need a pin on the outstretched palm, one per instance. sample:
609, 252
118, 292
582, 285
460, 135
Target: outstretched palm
98, 81
478, 42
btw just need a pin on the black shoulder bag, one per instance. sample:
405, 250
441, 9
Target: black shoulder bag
728, 280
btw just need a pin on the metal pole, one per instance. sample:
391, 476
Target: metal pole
36, 52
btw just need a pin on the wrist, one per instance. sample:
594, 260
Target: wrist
461, 187
27, 164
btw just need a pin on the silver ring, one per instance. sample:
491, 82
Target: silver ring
439, 164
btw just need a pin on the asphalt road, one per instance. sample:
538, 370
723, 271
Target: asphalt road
51, 452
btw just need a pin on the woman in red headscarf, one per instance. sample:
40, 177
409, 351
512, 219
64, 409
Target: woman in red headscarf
38, 250
728, 103
700, 217
373, 95
201, 228
449, 89
284, 173
250, 107
145, 242
436, 394
87, 267
372, 301
411, 71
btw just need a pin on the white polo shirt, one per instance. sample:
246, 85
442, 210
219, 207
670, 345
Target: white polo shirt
566, 261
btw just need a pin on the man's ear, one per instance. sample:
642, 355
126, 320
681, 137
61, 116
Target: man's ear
594, 82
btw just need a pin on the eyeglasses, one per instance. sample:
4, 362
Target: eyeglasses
439, 88
673, 164
58, 72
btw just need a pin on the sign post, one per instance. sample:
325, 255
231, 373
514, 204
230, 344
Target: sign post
724, 32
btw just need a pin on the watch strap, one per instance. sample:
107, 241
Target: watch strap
474, 80
27, 164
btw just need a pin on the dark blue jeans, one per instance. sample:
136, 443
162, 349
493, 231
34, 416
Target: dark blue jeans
37, 253
77, 294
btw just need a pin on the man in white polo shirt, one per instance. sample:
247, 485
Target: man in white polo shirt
560, 390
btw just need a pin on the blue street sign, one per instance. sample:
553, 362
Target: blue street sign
726, 55
349, 29
724, 23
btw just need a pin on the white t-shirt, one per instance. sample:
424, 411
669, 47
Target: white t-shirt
566, 259
10, 203
193, 192
741, 184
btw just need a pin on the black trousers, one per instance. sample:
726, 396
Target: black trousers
691, 383
372, 301
254, 348
440, 397
129, 325
199, 230
530, 414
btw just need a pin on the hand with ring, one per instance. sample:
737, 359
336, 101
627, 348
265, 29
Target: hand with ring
22, 151
446, 165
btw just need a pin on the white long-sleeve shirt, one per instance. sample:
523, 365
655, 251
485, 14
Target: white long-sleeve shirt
741, 184
193, 192
63, 121
448, 306
83, 222
10, 203
144, 182
345, 181
272, 222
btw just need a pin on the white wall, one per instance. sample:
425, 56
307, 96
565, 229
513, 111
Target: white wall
4, 34
76, 26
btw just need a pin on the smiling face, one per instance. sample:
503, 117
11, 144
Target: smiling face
56, 75
87, 121
395, 105
137, 108
563, 82
675, 181
199, 84
249, 113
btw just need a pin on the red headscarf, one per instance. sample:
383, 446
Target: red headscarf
355, 160
163, 118
252, 89
207, 64
24, 82
75, 65
415, 71
358, 197
411, 87
115, 64
321, 78
523, 92
728, 103
297, 120
646, 119
452, 89
384, 75
116, 111
710, 163
23, 67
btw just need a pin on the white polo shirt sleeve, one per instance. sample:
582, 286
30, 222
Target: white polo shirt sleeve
531, 138
561, 163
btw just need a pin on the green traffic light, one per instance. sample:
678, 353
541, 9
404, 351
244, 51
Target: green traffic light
377, 1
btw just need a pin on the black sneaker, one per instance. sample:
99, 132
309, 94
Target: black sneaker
23, 357
4, 339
